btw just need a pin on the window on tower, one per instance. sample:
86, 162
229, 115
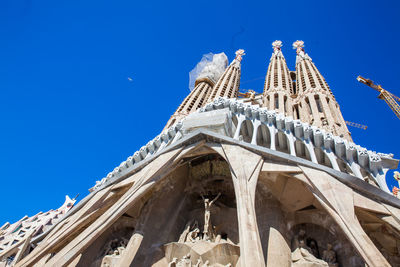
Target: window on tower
319, 104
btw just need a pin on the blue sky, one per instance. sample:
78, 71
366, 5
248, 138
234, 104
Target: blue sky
69, 115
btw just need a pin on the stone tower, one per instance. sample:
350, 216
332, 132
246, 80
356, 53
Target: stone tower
278, 87
205, 81
228, 84
315, 102
236, 183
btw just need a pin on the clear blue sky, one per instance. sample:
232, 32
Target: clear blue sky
69, 115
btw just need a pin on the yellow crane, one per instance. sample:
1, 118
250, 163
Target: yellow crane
389, 98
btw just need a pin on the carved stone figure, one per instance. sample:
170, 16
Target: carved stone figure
113, 252
185, 232
193, 235
329, 255
173, 262
301, 236
185, 261
207, 232
303, 257
312, 244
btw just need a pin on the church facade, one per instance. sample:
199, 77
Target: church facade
272, 179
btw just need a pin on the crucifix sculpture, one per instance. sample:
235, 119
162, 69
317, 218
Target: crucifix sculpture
207, 232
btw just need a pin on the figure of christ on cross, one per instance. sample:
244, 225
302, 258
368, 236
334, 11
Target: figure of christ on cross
207, 232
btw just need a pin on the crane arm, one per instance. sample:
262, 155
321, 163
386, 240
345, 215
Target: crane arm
369, 83
385, 95
391, 102
357, 125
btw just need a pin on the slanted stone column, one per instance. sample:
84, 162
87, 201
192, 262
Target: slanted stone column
245, 168
338, 201
131, 249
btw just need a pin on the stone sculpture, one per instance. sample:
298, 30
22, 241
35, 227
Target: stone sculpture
208, 229
302, 257
329, 255
299, 240
113, 252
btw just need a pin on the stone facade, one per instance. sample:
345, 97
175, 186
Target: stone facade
235, 183
19, 234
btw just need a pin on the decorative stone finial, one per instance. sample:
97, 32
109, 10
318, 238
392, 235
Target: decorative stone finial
239, 53
277, 44
298, 45
277, 48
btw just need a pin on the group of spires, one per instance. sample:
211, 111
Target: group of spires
303, 94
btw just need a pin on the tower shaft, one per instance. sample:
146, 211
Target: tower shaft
278, 86
228, 84
195, 100
315, 103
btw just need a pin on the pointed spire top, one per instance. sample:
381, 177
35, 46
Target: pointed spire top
276, 45
299, 46
239, 53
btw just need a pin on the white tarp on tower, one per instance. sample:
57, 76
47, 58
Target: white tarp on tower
211, 66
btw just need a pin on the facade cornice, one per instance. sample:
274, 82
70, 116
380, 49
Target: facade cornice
376, 164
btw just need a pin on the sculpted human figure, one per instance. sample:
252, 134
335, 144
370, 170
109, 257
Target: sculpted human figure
314, 248
207, 216
185, 232
329, 255
193, 236
185, 261
173, 262
301, 236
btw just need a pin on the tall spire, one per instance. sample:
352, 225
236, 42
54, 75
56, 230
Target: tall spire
228, 83
206, 74
315, 103
307, 74
278, 84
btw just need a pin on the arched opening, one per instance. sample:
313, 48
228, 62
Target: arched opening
174, 218
301, 150
296, 113
289, 217
322, 158
276, 101
318, 102
385, 237
246, 131
308, 105
282, 142
285, 104
263, 136
318, 232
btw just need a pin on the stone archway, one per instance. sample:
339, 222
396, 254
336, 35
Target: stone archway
175, 218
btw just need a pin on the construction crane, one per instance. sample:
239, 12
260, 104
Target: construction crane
357, 125
249, 94
389, 98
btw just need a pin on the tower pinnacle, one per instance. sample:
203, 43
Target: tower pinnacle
276, 45
239, 53
205, 75
278, 85
315, 103
301, 54
228, 83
